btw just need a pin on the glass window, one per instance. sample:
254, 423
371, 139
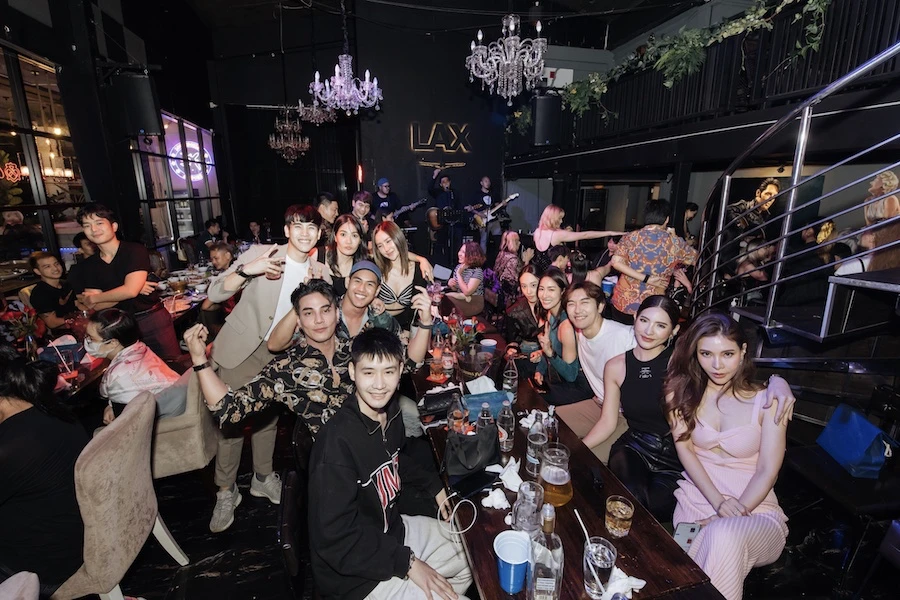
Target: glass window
162, 222
44, 102
183, 217
7, 110
213, 178
209, 156
150, 144
15, 187
60, 171
155, 176
21, 233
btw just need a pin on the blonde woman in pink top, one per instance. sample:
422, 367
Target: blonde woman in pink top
731, 448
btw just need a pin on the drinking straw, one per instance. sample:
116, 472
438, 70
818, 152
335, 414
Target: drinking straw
61, 359
587, 538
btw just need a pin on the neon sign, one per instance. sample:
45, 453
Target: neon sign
193, 154
449, 137
11, 172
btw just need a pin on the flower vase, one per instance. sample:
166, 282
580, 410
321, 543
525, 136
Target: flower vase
31, 348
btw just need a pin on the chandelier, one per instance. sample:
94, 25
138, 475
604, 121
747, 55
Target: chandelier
343, 91
286, 140
504, 63
316, 114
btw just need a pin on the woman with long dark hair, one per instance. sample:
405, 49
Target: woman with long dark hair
731, 447
557, 340
346, 247
644, 457
401, 274
521, 322
41, 525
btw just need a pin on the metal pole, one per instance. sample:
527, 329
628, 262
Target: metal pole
799, 155
720, 223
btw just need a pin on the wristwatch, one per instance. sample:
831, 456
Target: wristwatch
412, 559
240, 271
201, 367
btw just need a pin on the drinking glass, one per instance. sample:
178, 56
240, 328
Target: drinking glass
435, 292
526, 512
619, 513
67, 364
599, 559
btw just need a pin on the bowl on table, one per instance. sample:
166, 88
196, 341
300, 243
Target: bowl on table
178, 284
201, 288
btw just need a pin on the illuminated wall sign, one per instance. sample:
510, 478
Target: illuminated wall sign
193, 153
11, 172
449, 137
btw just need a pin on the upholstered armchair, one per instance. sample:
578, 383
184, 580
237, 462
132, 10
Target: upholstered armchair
188, 441
118, 505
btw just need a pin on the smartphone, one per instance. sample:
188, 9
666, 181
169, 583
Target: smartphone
469, 485
685, 534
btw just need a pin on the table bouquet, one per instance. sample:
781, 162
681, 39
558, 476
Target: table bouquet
23, 326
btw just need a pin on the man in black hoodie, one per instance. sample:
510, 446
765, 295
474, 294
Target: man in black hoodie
361, 546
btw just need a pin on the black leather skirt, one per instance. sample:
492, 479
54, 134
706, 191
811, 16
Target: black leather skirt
657, 452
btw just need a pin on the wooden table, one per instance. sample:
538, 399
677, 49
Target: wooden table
648, 552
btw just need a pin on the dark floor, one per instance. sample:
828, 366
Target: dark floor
245, 562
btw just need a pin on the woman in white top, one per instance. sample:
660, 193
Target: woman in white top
133, 367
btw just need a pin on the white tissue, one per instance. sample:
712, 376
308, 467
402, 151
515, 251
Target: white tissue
496, 498
528, 420
620, 583
508, 519
510, 476
482, 385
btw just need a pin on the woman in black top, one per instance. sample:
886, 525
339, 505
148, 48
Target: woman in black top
644, 458
346, 248
522, 327
41, 525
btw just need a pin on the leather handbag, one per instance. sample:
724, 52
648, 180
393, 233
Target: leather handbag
855, 443
466, 454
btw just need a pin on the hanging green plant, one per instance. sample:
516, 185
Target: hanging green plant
681, 55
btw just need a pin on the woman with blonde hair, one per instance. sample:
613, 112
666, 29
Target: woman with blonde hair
887, 207
549, 233
401, 274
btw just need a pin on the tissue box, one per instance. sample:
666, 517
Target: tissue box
50, 355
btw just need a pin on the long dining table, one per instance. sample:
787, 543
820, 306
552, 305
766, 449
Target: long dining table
647, 552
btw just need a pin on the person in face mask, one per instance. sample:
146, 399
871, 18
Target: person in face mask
133, 367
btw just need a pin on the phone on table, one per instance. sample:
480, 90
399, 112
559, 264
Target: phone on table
469, 485
685, 534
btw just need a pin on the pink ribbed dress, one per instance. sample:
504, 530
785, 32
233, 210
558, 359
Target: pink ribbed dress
728, 548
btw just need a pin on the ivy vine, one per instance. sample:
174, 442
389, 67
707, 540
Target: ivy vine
681, 55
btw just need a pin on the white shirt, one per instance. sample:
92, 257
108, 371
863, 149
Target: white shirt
294, 274
134, 370
854, 266
613, 339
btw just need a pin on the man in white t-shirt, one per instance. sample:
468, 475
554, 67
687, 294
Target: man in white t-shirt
266, 276
598, 340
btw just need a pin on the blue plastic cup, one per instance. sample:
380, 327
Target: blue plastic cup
513, 548
608, 286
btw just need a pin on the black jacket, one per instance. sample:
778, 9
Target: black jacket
355, 531
521, 325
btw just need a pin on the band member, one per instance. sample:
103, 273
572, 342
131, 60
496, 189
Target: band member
483, 203
443, 234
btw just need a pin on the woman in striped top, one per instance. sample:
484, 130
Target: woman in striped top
731, 447
467, 281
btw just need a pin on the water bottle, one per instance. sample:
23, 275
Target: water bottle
485, 418
551, 425
511, 379
506, 425
537, 441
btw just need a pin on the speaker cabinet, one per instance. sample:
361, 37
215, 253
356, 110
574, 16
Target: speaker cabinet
546, 112
133, 106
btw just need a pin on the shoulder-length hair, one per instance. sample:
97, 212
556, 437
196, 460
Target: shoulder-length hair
504, 240
331, 251
394, 232
474, 254
686, 380
559, 278
551, 218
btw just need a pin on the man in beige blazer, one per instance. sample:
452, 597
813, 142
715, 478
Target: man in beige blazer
266, 276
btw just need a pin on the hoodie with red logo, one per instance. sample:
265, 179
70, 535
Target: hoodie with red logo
356, 534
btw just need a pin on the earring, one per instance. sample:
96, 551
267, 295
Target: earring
669, 341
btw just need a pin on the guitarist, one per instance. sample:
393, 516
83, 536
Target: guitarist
485, 198
442, 234
385, 202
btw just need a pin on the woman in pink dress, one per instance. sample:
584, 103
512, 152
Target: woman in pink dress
731, 449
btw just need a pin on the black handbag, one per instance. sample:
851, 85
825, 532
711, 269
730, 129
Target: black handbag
465, 454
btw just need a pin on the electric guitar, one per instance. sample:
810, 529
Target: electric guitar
482, 218
386, 216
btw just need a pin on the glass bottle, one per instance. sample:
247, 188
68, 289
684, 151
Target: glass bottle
537, 441
31, 348
546, 563
551, 425
506, 427
511, 379
447, 358
485, 418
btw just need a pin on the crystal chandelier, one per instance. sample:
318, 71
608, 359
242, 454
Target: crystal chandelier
316, 114
504, 63
286, 140
343, 91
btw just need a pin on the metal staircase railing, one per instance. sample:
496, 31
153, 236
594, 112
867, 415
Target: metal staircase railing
710, 285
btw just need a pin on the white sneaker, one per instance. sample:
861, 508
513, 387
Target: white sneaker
223, 513
269, 488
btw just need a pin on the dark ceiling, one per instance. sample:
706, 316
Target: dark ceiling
568, 22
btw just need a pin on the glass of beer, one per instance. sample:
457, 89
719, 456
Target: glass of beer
619, 513
554, 474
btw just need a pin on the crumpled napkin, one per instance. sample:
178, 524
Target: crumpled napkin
509, 474
496, 498
620, 583
481, 385
528, 420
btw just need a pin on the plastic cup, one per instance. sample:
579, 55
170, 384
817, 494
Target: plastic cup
608, 285
489, 345
513, 549
599, 559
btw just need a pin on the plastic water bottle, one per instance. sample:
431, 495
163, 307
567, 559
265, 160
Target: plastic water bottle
551, 424
506, 425
511, 379
485, 418
537, 441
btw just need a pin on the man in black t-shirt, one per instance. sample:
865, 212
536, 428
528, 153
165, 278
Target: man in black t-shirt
117, 276
207, 238
52, 298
